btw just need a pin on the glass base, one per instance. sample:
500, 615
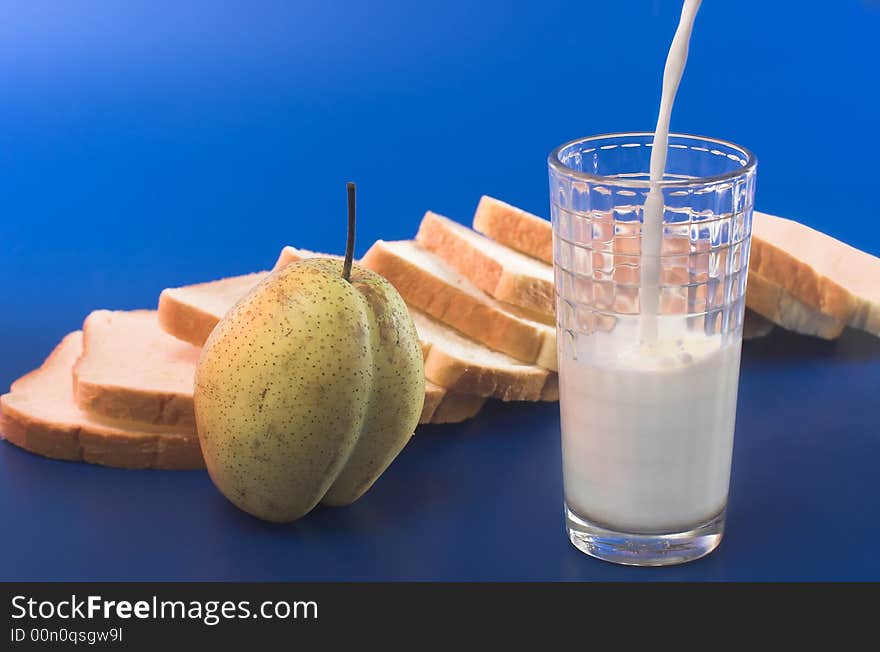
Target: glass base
633, 549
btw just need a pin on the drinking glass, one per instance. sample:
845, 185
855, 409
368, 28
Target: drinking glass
648, 395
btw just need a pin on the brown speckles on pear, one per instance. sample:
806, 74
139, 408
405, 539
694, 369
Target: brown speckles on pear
398, 379
302, 399
308, 389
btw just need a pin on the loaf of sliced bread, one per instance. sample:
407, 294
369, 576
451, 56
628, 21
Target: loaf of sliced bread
504, 273
194, 320
533, 235
131, 371
451, 361
429, 284
808, 281
799, 278
515, 228
40, 414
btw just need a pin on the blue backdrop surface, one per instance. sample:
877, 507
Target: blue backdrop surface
149, 144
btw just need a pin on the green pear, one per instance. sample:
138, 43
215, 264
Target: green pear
308, 388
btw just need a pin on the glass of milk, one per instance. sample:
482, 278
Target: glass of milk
648, 369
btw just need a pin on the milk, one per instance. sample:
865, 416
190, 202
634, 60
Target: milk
652, 224
647, 409
648, 432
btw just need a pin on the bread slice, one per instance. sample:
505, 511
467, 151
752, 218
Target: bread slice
191, 312
515, 228
39, 414
427, 283
506, 274
808, 281
779, 307
132, 370
459, 363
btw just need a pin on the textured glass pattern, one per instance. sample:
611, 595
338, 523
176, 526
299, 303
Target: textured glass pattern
648, 402
597, 196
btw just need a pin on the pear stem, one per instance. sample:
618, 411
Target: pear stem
349, 244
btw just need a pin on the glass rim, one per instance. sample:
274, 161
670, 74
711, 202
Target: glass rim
561, 168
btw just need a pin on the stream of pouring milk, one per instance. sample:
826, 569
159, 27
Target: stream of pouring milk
648, 418
652, 224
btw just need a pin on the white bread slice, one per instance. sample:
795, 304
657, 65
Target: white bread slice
39, 414
506, 274
426, 282
191, 312
811, 280
132, 372
515, 228
454, 361
461, 364
779, 307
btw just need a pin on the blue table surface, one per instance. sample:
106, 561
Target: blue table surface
149, 144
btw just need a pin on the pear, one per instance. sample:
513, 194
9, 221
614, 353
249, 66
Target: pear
308, 388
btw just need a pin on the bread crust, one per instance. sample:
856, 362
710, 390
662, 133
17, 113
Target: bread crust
189, 322
490, 275
128, 446
128, 403
183, 321
771, 301
830, 281
514, 227
525, 384
131, 404
105, 446
777, 266
801, 290
84, 440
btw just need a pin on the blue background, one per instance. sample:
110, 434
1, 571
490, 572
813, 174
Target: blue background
148, 144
